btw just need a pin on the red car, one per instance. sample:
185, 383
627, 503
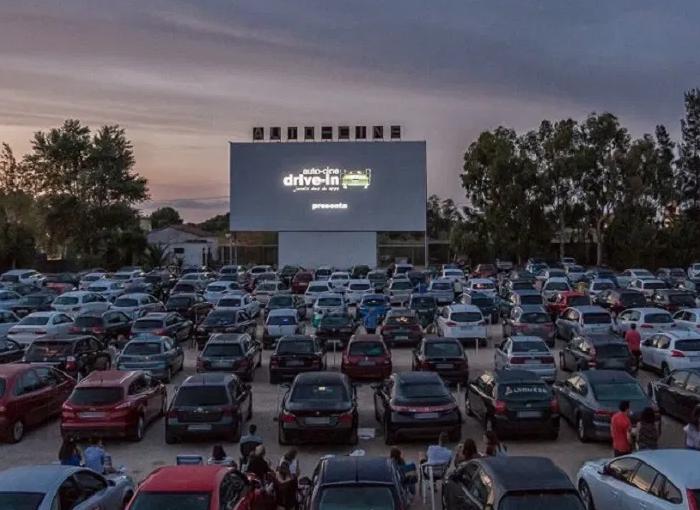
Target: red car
199, 487
485, 271
366, 357
301, 281
113, 403
29, 396
563, 300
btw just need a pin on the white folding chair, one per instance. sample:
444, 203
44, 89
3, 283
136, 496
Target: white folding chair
429, 474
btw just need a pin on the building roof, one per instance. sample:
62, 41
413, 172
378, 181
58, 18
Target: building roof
188, 229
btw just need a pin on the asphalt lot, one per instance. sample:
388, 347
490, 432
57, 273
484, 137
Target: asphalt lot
41, 445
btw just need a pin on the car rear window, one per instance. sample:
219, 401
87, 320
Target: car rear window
632, 299
402, 285
439, 349
216, 288
421, 390
535, 318
655, 285
575, 269
688, 345
126, 303
232, 350
681, 299
533, 500
658, 318
88, 322
101, 396
323, 272
146, 500
329, 301
205, 395
612, 350
525, 391
359, 286
282, 301
267, 287
20, 500
466, 316
360, 497
531, 299
441, 286
556, 273
556, 286
423, 302
521, 346
34, 320
228, 302
148, 324
41, 350
618, 391
366, 348
98, 288
578, 301
33, 300
602, 285
281, 320
597, 318
66, 301
482, 301
179, 302
143, 349
335, 321
184, 287
377, 277
220, 317
317, 288
331, 392
295, 347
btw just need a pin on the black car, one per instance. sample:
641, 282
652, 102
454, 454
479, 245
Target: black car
673, 300
287, 273
139, 288
401, 326
445, 356
236, 353
608, 352
209, 405
359, 272
191, 306
10, 351
619, 300
74, 355
513, 402
39, 302
192, 287
225, 321
588, 400
164, 324
286, 301
678, 393
509, 483
416, 404
484, 302
373, 482
335, 329
110, 326
294, 355
319, 407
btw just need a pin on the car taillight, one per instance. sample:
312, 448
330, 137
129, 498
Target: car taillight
99, 331
67, 410
172, 413
274, 362
521, 326
386, 361
594, 358
316, 363
548, 360
40, 332
160, 332
450, 324
345, 418
554, 405
646, 326
228, 411
463, 365
692, 499
71, 363
288, 418
423, 364
77, 330
603, 414
500, 407
517, 361
677, 354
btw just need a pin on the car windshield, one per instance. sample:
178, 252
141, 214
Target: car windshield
199, 396
143, 349
602, 285
440, 349
329, 301
340, 277
146, 500
521, 286
360, 497
377, 277
33, 300
20, 500
556, 273
690, 345
184, 288
677, 272
34, 320
359, 286
453, 272
531, 299
323, 272
45, 349
525, 391
597, 318
422, 390
366, 348
335, 321
402, 285
658, 318
66, 300
126, 303
220, 317
465, 316
618, 391
99, 396
148, 324
441, 286
216, 288
88, 322
533, 500
295, 347
535, 318
223, 350
654, 285
331, 392
317, 288
612, 350
556, 286
578, 301
681, 299
521, 346
179, 302
575, 269
281, 320
373, 302
282, 302
230, 303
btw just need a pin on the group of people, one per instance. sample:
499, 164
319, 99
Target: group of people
93, 457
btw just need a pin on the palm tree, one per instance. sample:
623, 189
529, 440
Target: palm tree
156, 255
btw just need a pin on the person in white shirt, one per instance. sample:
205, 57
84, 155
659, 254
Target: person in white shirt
691, 432
293, 462
437, 454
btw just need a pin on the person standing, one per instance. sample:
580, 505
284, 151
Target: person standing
634, 342
647, 431
621, 430
371, 321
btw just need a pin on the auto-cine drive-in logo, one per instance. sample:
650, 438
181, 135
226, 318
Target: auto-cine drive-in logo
328, 179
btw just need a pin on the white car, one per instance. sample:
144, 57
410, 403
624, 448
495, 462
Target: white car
649, 321
483, 285
217, 289
28, 276
330, 302
40, 324
647, 286
464, 322
202, 278
688, 319
107, 288
554, 286
628, 275
400, 291
402, 269
80, 301
314, 290
258, 270
128, 276
89, 279
671, 350
281, 322
546, 274
598, 285
137, 304
339, 279
265, 290
322, 273
694, 270
442, 290
357, 289
454, 275
238, 301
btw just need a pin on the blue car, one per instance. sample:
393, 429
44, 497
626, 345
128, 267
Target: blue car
379, 303
160, 356
55, 486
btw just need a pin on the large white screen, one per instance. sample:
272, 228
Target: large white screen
339, 249
328, 186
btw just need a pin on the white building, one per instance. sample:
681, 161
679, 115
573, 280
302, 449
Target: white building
192, 245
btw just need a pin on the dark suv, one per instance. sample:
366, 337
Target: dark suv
74, 355
602, 352
209, 405
108, 326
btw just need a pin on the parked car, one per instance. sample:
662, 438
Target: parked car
111, 326
401, 326
619, 300
485, 303
464, 322
560, 301
9, 299
173, 325
293, 355
671, 350
239, 301
366, 358
8, 319
648, 321
301, 282
673, 300
581, 320
530, 320
158, 356
108, 289
377, 303
688, 319
137, 304
315, 290
233, 353
76, 355
216, 290
526, 353
192, 307
40, 324
444, 356
607, 352
279, 323
286, 301
677, 394
225, 321
79, 301
10, 351
326, 303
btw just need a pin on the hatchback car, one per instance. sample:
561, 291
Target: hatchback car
137, 304
464, 322
445, 356
530, 320
164, 324
80, 301
677, 394
401, 326
526, 353
598, 285
236, 353
209, 405
554, 286
318, 407
113, 404
376, 303
31, 303
315, 290
281, 322
192, 307
607, 352
7, 320
366, 357
648, 321
108, 289
301, 281
9, 299
688, 319
671, 350
225, 321
673, 300
286, 301
399, 291
442, 290
296, 354
158, 356
334, 330
648, 286
76, 355
483, 285
239, 301
619, 300
339, 279
215, 290
486, 303
527, 297
583, 320
416, 404
10, 351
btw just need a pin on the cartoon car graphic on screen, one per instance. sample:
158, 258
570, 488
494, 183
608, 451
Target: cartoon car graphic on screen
356, 178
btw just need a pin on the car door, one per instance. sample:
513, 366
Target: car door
175, 325
569, 353
500, 356
479, 393
94, 493
623, 321
56, 386
566, 395
616, 487
123, 328
382, 395
147, 390
30, 397
660, 350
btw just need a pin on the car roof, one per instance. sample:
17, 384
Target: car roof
647, 309
320, 377
532, 308
441, 339
673, 462
594, 376
416, 377
34, 478
346, 469
365, 337
283, 312
526, 292
208, 379
46, 314
226, 338
527, 473
184, 479
516, 375
108, 378
590, 309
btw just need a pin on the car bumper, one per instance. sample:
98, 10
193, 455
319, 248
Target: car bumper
401, 339
294, 433
374, 373
290, 372
548, 374
401, 299
423, 429
525, 427
219, 429
454, 376
270, 341
90, 429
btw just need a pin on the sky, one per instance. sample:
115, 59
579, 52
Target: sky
185, 77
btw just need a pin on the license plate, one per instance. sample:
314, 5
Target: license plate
367, 363
401, 337
93, 415
426, 416
529, 414
199, 428
532, 362
222, 364
318, 421
444, 366
295, 363
423, 310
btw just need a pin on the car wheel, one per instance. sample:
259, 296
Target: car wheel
585, 492
581, 430
17, 431
139, 428
168, 375
665, 371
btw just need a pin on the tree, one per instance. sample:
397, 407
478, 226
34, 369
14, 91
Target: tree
165, 217
689, 154
217, 224
156, 255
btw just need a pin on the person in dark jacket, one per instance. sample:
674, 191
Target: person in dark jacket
371, 321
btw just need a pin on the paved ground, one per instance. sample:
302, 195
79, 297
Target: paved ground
41, 445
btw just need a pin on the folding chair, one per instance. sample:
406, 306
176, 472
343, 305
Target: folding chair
429, 474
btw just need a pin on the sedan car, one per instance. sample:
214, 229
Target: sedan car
619, 300
296, 354
526, 353
265, 290
39, 324
416, 404
53, 487
75, 355
657, 479
677, 394
401, 326
40, 302
110, 326
108, 289
318, 407
279, 323
137, 305
225, 321
673, 300
376, 303
442, 290
286, 301
192, 307
334, 331
158, 356
595, 352
236, 353
581, 320
79, 301
164, 324
444, 356
239, 301
464, 322
589, 399
216, 290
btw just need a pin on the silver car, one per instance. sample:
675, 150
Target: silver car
216, 290
598, 285
648, 321
442, 290
8, 299
330, 302
107, 288
7, 320
315, 289
265, 290
137, 305
400, 291
554, 286
671, 350
582, 320
526, 353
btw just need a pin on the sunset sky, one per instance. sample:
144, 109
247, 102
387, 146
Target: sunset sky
185, 77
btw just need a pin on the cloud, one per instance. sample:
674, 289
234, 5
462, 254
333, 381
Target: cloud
185, 77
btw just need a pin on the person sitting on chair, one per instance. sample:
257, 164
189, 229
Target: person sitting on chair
248, 444
437, 455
